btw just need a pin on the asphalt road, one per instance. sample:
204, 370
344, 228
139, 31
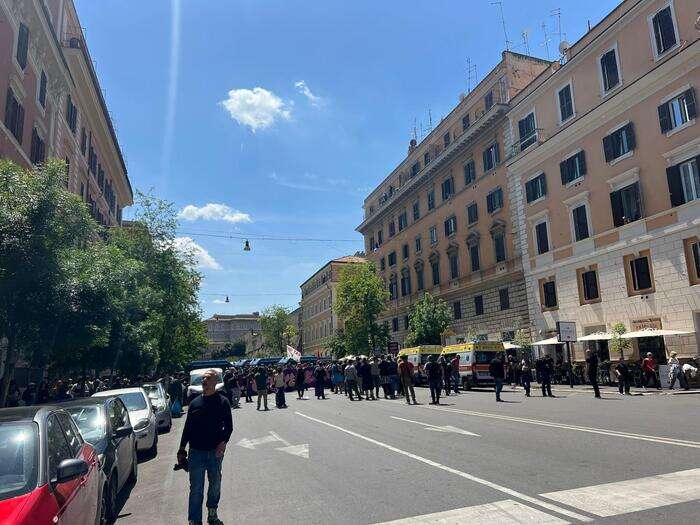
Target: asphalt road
573, 459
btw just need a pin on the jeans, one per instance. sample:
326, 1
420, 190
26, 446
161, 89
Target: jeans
435, 387
235, 396
623, 384
279, 397
262, 396
681, 379
408, 390
498, 385
526, 379
351, 385
202, 461
455, 381
447, 384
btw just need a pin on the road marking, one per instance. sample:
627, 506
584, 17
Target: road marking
296, 450
622, 497
506, 512
278, 438
494, 486
591, 430
252, 443
436, 428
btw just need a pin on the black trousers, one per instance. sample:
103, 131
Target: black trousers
546, 383
593, 380
623, 384
651, 375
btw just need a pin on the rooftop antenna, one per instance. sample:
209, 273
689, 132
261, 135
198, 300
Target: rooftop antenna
525, 34
556, 13
471, 72
430, 121
503, 23
546, 39
415, 131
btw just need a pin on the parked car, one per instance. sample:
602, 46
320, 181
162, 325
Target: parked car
195, 386
48, 473
141, 415
161, 402
104, 423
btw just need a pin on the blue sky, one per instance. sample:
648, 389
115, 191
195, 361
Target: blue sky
275, 118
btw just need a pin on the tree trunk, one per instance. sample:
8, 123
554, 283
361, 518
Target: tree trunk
10, 360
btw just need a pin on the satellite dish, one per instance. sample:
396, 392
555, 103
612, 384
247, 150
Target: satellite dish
563, 47
462, 96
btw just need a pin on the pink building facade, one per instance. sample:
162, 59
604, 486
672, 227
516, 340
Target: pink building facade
54, 106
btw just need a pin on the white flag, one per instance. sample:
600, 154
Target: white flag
293, 353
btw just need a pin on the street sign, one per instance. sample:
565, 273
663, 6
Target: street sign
393, 347
566, 331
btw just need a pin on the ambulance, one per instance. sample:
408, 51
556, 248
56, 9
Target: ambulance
474, 360
418, 355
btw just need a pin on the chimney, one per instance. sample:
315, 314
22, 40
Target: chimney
412, 145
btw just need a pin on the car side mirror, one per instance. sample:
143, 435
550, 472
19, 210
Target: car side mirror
123, 432
70, 469
154, 409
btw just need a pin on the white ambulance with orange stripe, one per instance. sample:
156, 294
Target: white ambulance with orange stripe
474, 360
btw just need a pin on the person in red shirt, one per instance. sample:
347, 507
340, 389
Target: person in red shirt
649, 371
406, 378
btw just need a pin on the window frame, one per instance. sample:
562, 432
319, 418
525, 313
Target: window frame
541, 175
630, 278
535, 224
671, 98
494, 156
478, 305
431, 199
692, 263
543, 294
502, 236
456, 310
475, 206
497, 190
656, 55
472, 260
433, 235
532, 136
580, 272
416, 210
630, 151
447, 188
418, 244
472, 170
570, 85
603, 92
453, 262
450, 225
504, 298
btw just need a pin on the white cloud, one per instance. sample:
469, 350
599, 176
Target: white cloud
311, 182
256, 108
213, 212
301, 86
219, 301
202, 257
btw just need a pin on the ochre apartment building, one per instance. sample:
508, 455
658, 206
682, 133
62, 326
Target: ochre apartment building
441, 222
54, 105
318, 322
603, 180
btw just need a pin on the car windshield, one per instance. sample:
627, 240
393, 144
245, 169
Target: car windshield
484, 358
90, 421
134, 401
196, 379
18, 459
152, 391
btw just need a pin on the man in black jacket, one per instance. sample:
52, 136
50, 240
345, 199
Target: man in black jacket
497, 372
207, 430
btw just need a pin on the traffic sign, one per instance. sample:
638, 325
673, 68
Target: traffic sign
566, 331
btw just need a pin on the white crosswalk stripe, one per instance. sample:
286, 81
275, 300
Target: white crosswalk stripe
506, 512
622, 497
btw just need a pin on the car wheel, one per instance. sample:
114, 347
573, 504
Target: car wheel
133, 475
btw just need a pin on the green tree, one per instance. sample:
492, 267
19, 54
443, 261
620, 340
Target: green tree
429, 319
522, 339
360, 299
274, 324
618, 345
41, 224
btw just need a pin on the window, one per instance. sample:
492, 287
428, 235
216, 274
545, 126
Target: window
626, 204
638, 270
392, 288
499, 246
405, 283
58, 448
37, 153
416, 210
478, 305
431, 199
435, 268
419, 278
492, 157
573, 168
664, 31
392, 259
71, 432
14, 115
542, 237
450, 226
465, 122
472, 213
692, 259
494, 200
22, 45
403, 220
609, 71
395, 324
528, 133
504, 298
446, 139
83, 141
71, 114
448, 188
404, 251
488, 100
579, 217
474, 257
536, 188
42, 90
380, 237
549, 294
406, 322
588, 281
418, 244
372, 244
433, 235
566, 103
454, 265
426, 158
457, 310
469, 172
619, 142
677, 111
684, 181
392, 229
415, 169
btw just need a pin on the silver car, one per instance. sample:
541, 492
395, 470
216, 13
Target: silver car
161, 402
141, 415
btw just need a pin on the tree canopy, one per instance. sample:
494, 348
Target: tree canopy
428, 320
276, 329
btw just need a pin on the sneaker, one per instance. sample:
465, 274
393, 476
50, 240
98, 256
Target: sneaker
212, 517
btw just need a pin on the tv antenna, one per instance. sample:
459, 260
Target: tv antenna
526, 44
546, 39
503, 23
471, 73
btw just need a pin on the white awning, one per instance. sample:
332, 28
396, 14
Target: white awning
597, 336
550, 341
509, 346
654, 332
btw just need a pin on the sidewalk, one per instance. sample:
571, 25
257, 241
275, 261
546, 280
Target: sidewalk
613, 391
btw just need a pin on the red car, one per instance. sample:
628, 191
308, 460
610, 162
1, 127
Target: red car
48, 474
